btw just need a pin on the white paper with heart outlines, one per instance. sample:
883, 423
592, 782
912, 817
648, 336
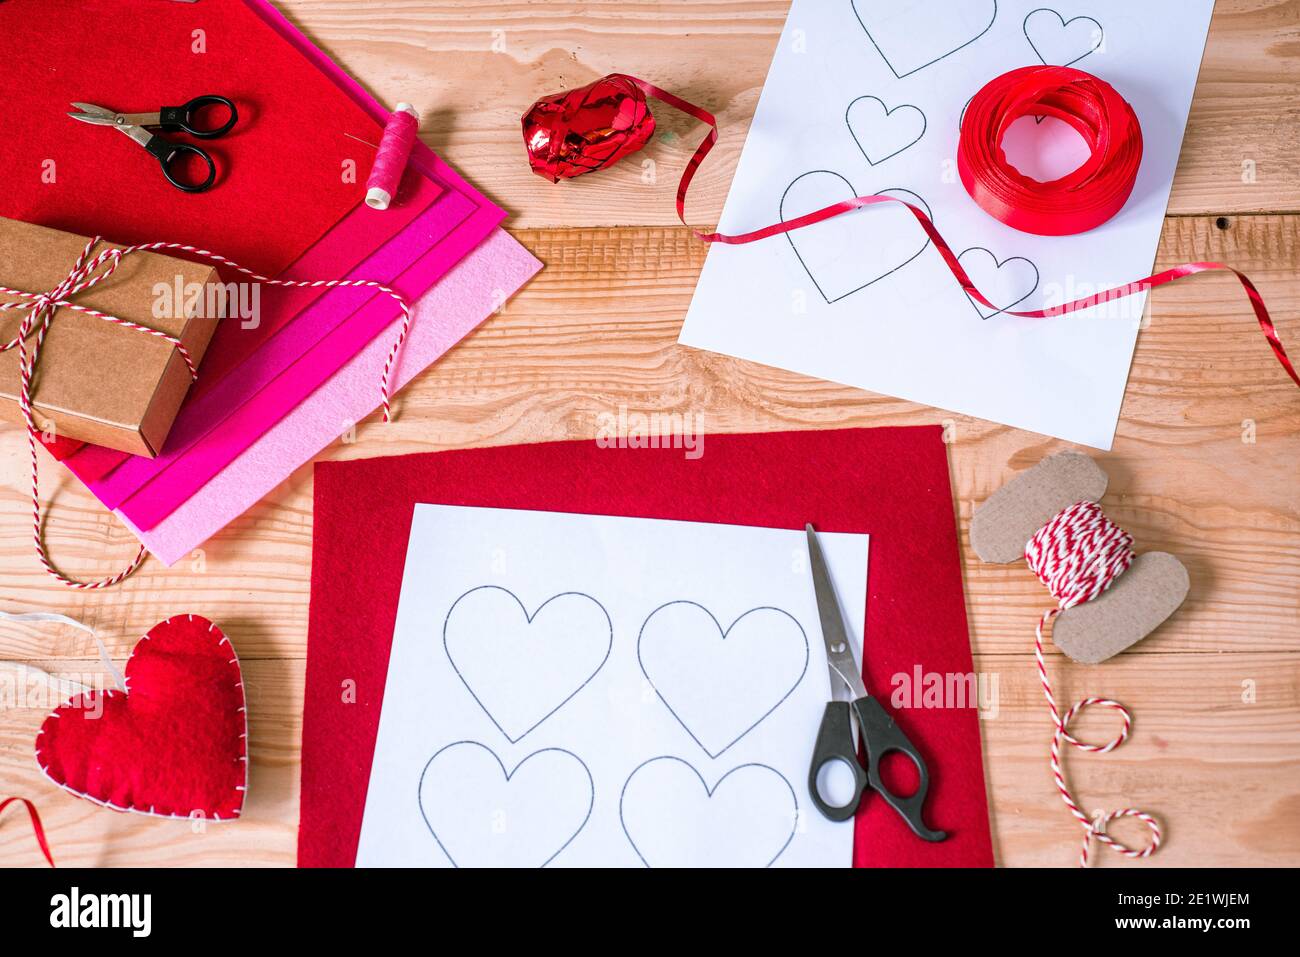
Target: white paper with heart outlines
560, 692
866, 97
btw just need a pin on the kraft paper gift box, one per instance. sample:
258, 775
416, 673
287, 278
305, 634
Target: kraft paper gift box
97, 381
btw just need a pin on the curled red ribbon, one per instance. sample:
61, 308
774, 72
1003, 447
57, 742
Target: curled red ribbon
37, 829
590, 128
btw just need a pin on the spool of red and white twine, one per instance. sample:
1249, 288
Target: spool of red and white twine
88, 272
1077, 556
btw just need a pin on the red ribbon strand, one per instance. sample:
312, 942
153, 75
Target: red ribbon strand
37, 829
590, 128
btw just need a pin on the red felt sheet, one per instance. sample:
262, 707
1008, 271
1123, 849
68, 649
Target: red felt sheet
281, 181
890, 483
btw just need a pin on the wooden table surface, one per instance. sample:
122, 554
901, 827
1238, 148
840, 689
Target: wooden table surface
1206, 463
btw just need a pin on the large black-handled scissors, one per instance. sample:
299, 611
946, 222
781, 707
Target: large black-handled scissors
836, 741
172, 119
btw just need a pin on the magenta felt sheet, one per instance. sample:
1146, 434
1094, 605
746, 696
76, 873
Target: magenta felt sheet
338, 251
247, 360
273, 377
168, 490
467, 295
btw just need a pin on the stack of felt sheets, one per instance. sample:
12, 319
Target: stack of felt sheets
274, 390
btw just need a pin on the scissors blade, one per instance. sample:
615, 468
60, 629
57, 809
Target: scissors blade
99, 116
90, 113
140, 119
839, 651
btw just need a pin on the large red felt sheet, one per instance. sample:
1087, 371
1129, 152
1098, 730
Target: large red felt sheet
281, 183
890, 483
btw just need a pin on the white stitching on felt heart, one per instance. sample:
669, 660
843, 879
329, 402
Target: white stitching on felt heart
242, 788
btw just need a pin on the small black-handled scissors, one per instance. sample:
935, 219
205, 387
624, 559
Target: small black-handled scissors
171, 119
849, 698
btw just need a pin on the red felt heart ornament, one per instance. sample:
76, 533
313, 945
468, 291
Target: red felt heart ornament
172, 744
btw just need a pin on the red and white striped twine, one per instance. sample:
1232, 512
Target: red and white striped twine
1077, 556
86, 273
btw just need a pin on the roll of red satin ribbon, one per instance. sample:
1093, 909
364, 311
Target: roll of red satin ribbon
1077, 202
587, 129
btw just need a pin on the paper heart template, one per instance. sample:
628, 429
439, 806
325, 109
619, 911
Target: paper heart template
713, 680
1061, 42
521, 668
913, 35
482, 815
882, 132
846, 254
1005, 282
173, 744
747, 819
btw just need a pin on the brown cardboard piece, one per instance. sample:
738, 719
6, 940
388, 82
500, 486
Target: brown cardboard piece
1135, 604
97, 381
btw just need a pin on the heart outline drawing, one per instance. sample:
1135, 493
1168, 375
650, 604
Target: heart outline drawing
1099, 34
910, 197
888, 112
507, 776
709, 794
885, 57
723, 634
528, 621
997, 265
962, 117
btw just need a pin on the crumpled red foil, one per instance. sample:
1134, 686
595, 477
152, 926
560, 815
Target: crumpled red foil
583, 130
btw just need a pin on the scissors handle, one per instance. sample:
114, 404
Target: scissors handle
170, 155
880, 735
182, 118
835, 744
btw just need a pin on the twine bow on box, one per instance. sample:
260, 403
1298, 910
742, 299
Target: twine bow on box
41, 307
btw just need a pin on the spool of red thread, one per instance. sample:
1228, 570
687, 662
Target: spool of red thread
390, 161
1077, 202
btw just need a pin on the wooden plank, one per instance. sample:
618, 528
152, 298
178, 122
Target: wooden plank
596, 331
1222, 774
474, 67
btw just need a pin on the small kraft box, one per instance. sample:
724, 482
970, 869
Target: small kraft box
97, 381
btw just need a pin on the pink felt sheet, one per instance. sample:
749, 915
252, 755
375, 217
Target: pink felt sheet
253, 360
461, 300
297, 360
336, 253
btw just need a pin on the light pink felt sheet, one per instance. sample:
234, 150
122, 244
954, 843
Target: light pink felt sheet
465, 296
